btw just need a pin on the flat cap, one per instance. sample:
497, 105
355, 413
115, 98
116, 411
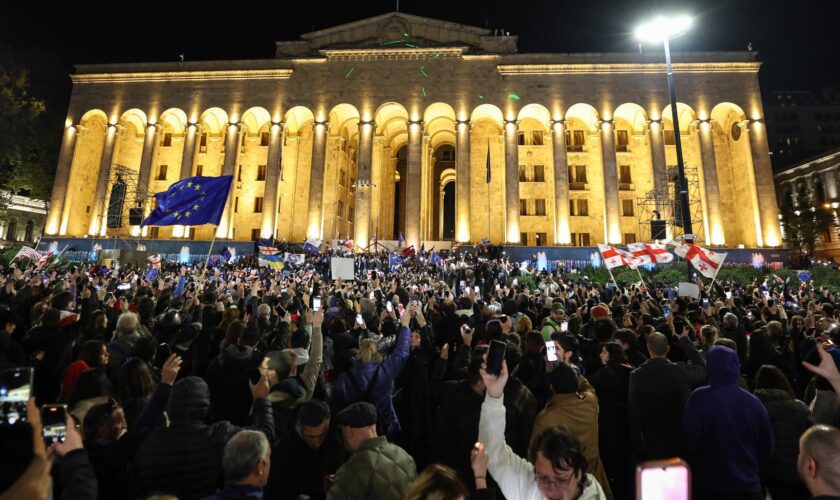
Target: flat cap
357, 415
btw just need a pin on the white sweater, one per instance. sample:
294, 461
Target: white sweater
514, 474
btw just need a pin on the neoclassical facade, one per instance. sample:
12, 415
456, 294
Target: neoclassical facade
384, 126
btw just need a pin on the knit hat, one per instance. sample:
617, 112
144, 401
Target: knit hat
601, 311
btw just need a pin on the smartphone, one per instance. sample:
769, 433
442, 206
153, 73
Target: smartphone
564, 326
359, 320
476, 289
515, 281
54, 420
666, 311
400, 309
495, 357
15, 388
663, 480
705, 303
498, 287
551, 351
284, 290
254, 375
124, 286
389, 306
463, 283
372, 295
162, 354
728, 295
316, 304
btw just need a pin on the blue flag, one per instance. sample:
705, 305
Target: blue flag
225, 255
191, 202
401, 241
312, 245
395, 261
152, 274
435, 258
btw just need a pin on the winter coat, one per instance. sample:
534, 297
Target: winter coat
727, 430
456, 428
55, 344
379, 470
354, 384
233, 491
658, 392
790, 418
521, 408
578, 412
515, 475
612, 383
185, 458
227, 379
297, 469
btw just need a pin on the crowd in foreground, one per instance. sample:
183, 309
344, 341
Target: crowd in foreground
241, 382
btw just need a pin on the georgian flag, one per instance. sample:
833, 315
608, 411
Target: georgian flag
647, 253
705, 261
348, 244
614, 257
267, 250
154, 260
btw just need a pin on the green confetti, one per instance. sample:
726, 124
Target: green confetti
424, 91
348, 73
480, 96
411, 45
513, 96
406, 35
424, 72
401, 40
435, 56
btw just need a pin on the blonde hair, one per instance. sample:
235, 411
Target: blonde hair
368, 351
524, 325
436, 482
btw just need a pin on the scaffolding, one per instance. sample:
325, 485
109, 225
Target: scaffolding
115, 225
662, 204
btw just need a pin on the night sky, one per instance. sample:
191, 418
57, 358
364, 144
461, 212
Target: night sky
797, 44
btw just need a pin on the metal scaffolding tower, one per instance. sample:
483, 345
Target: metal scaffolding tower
661, 204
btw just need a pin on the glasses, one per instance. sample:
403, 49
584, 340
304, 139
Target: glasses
558, 482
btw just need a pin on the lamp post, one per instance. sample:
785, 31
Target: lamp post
660, 30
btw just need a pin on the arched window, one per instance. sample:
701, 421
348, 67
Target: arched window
11, 232
30, 226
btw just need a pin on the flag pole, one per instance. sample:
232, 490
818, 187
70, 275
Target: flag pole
210, 252
640, 276
611, 276
712, 284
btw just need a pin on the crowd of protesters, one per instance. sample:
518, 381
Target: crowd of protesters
240, 381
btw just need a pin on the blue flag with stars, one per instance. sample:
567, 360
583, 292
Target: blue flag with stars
191, 202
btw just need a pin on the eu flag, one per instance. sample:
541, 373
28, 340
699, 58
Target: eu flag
191, 202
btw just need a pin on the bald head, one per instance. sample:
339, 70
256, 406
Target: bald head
819, 460
657, 345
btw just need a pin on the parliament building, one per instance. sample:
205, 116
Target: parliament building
400, 124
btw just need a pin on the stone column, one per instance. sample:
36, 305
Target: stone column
189, 151
62, 179
611, 204
225, 229
149, 149
414, 188
830, 183
316, 181
272, 181
462, 179
511, 181
710, 178
562, 228
659, 165
97, 226
767, 207
364, 185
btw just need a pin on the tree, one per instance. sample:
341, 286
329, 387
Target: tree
805, 223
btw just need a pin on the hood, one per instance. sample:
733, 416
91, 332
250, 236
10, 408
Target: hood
289, 386
723, 366
236, 357
190, 400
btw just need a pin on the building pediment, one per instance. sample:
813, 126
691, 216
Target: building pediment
397, 30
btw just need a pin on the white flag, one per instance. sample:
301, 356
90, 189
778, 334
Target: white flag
648, 253
706, 262
614, 257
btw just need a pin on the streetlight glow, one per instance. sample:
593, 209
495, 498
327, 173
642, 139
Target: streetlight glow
663, 28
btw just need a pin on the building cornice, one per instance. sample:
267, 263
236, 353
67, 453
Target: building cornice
168, 76
378, 54
617, 68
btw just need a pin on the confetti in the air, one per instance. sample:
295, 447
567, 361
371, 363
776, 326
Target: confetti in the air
423, 70
348, 73
513, 96
424, 91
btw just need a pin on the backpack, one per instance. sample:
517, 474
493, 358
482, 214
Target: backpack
383, 419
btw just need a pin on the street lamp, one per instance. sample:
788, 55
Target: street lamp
661, 29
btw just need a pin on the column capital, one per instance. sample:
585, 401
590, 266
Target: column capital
415, 122
513, 122
562, 122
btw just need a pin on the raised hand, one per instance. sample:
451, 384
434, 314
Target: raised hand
495, 385
170, 369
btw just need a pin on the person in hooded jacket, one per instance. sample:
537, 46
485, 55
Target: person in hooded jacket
185, 457
51, 346
372, 377
790, 419
288, 387
227, 378
728, 433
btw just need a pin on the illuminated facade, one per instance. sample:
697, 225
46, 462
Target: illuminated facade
383, 126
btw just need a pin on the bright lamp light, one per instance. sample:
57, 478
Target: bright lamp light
663, 28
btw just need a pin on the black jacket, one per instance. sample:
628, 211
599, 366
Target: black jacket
78, 481
185, 458
790, 418
457, 428
297, 469
227, 379
659, 390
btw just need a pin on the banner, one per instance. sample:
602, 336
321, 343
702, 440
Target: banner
342, 268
